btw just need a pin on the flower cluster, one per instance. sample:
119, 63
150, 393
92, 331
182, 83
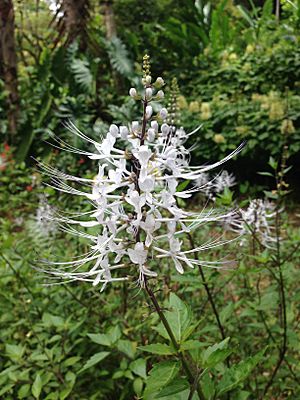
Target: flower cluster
257, 219
45, 218
212, 186
135, 197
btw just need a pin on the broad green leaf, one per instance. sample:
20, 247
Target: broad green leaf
37, 386
100, 338
215, 354
127, 347
160, 375
24, 391
139, 367
114, 333
95, 359
238, 373
15, 351
138, 386
53, 320
158, 348
179, 317
191, 345
216, 357
208, 386
71, 361
176, 386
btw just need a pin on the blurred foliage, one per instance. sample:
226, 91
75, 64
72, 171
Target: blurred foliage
238, 69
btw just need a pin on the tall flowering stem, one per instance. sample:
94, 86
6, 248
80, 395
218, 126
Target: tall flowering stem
185, 364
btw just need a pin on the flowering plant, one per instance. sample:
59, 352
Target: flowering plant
134, 196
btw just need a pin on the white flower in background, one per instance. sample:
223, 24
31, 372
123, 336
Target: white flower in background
135, 217
258, 219
44, 218
212, 186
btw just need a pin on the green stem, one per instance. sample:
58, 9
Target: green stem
165, 322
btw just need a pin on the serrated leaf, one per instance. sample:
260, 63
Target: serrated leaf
139, 367
160, 375
176, 386
191, 345
215, 354
127, 347
238, 373
100, 338
158, 348
95, 359
15, 351
37, 386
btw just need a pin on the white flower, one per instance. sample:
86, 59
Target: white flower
132, 199
138, 255
159, 81
114, 130
149, 112
160, 94
133, 92
148, 93
124, 132
163, 113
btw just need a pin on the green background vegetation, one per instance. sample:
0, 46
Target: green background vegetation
238, 67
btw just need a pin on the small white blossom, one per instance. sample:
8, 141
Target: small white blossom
160, 94
149, 112
163, 113
148, 93
133, 92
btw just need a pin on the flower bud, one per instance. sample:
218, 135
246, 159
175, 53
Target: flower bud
151, 134
114, 130
154, 125
133, 92
159, 81
149, 112
148, 93
135, 126
148, 79
160, 94
123, 132
163, 113
165, 129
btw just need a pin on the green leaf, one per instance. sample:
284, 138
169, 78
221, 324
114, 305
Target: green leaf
100, 338
191, 345
158, 348
139, 367
176, 386
15, 351
37, 386
238, 373
53, 320
71, 361
95, 359
24, 391
114, 333
208, 386
266, 174
160, 375
127, 347
138, 386
179, 317
215, 354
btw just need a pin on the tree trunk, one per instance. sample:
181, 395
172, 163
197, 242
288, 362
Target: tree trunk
8, 59
76, 14
109, 19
